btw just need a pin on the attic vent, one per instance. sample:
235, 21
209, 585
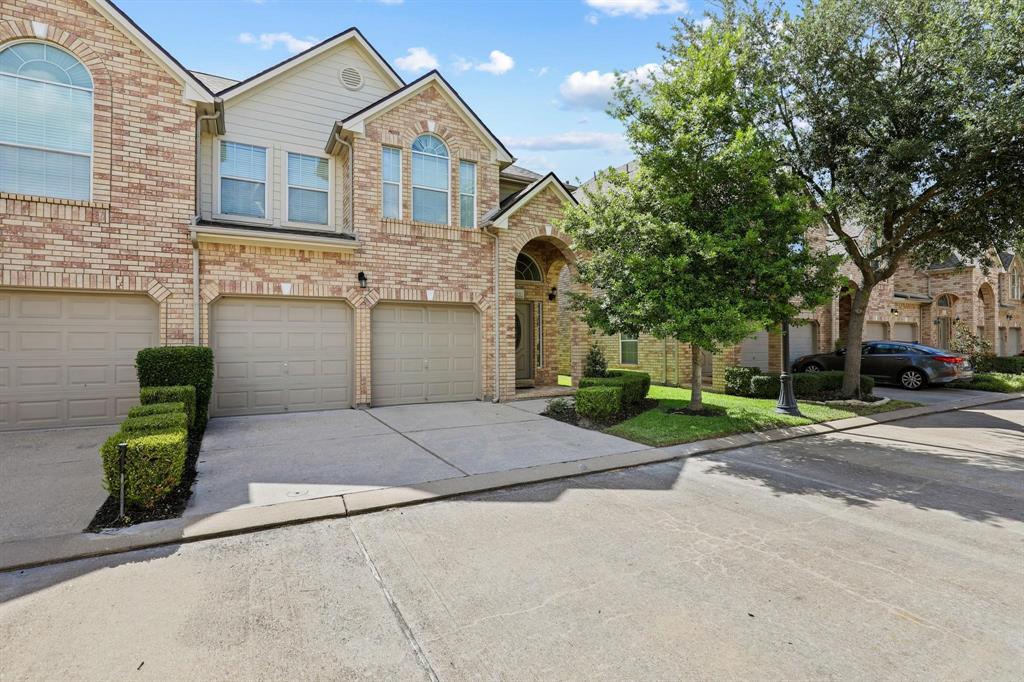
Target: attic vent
351, 78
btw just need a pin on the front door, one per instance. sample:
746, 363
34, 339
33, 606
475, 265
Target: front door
524, 344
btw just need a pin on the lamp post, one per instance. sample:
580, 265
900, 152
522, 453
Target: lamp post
787, 399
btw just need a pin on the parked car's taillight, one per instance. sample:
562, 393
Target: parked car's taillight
949, 359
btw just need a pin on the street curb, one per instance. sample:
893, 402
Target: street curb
21, 554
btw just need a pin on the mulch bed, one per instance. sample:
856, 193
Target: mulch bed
569, 416
706, 411
170, 507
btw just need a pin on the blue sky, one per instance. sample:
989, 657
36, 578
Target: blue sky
536, 71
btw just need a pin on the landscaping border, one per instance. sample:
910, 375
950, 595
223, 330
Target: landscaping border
20, 554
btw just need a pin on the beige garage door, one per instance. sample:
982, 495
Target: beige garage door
905, 331
425, 353
280, 355
803, 340
69, 359
754, 351
874, 331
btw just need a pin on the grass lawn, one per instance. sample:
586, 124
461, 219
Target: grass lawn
657, 427
995, 381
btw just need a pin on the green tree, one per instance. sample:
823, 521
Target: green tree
707, 240
904, 119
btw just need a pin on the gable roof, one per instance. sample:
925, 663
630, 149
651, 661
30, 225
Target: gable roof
213, 82
519, 174
195, 89
499, 216
351, 33
356, 122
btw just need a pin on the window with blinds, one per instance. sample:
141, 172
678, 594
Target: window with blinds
243, 180
308, 189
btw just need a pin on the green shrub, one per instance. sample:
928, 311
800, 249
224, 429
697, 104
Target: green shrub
635, 386
993, 363
179, 366
154, 423
561, 409
156, 408
599, 403
737, 379
807, 385
595, 364
996, 381
153, 465
186, 395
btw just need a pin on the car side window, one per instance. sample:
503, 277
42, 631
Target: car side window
888, 349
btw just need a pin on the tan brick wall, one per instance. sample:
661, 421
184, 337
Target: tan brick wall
133, 234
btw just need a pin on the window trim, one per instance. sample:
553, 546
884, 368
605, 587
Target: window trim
329, 225
538, 333
92, 117
448, 174
461, 194
625, 339
268, 209
383, 182
540, 273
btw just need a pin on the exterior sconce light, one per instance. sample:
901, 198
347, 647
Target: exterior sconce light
894, 311
362, 280
553, 293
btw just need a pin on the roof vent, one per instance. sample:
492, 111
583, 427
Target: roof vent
351, 78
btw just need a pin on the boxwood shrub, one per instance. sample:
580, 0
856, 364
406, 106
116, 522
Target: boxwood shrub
599, 403
634, 385
154, 423
806, 385
153, 465
179, 366
156, 408
994, 363
737, 379
186, 395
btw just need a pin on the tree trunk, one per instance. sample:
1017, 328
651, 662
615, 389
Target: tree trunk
854, 336
696, 379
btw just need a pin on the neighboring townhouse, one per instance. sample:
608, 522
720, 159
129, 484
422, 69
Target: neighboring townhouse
339, 237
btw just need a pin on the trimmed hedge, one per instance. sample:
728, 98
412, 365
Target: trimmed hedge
737, 379
599, 403
634, 385
154, 465
179, 366
172, 394
156, 408
806, 385
1001, 365
154, 423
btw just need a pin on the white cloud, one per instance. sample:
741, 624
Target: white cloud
638, 8
462, 64
267, 41
591, 19
570, 140
593, 89
498, 63
542, 71
417, 59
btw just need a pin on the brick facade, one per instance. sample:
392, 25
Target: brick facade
133, 235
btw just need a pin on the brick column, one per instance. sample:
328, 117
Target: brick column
362, 359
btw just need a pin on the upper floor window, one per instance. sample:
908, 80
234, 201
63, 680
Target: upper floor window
467, 194
629, 351
391, 182
45, 122
243, 180
430, 180
527, 269
944, 301
309, 185
1015, 289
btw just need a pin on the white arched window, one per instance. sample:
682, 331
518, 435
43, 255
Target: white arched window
430, 175
45, 122
527, 269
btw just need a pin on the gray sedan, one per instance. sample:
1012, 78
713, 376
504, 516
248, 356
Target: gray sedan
911, 365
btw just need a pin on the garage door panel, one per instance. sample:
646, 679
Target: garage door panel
905, 331
281, 355
874, 331
69, 357
754, 351
803, 340
420, 353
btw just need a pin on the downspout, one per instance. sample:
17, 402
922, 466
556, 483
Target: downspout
497, 319
351, 182
195, 242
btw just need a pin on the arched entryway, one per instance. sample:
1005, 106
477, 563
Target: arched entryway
987, 318
540, 280
943, 316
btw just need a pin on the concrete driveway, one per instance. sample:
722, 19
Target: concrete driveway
51, 481
932, 395
269, 459
891, 552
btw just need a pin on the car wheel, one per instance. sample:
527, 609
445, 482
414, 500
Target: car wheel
813, 367
912, 379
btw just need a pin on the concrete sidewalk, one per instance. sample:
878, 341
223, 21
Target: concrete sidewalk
251, 476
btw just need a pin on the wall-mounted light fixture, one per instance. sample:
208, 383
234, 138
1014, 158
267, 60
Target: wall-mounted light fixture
362, 279
553, 293
894, 311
